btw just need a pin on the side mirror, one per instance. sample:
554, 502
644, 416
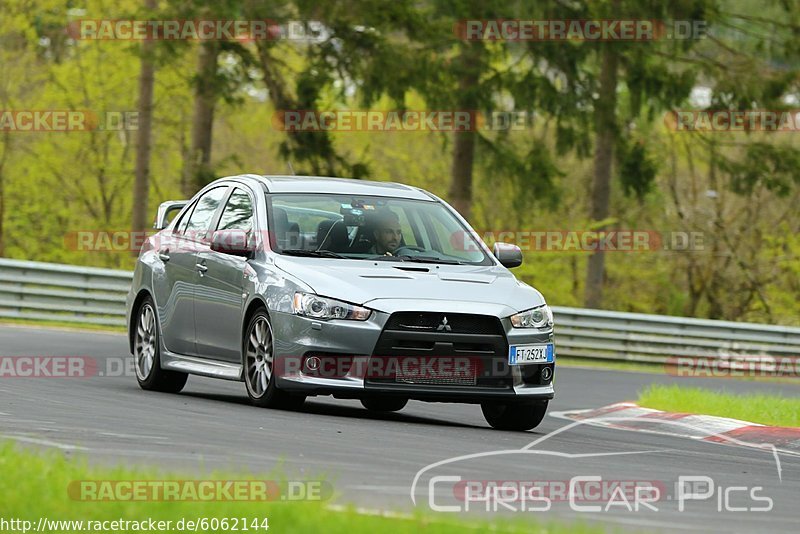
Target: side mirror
233, 242
507, 254
166, 210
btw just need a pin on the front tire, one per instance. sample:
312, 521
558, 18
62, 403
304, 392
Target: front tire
514, 416
384, 404
147, 354
259, 365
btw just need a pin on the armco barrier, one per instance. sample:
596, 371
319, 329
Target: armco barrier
39, 291
49, 291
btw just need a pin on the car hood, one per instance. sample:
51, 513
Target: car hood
372, 283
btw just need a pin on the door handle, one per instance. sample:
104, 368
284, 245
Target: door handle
163, 255
201, 268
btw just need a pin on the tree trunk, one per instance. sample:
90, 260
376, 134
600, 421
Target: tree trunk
6, 141
141, 183
460, 193
605, 139
461, 173
197, 170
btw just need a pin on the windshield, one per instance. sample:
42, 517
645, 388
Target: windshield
379, 228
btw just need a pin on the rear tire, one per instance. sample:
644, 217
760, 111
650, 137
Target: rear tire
258, 357
384, 404
147, 353
514, 416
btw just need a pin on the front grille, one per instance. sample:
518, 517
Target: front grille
441, 349
465, 376
457, 323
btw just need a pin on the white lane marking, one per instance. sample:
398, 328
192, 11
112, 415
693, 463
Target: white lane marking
54, 428
369, 511
649, 523
29, 422
162, 455
398, 515
383, 489
132, 436
44, 442
53, 329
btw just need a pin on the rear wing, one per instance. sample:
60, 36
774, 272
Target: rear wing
166, 210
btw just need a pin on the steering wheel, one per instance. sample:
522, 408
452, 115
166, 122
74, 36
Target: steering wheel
405, 249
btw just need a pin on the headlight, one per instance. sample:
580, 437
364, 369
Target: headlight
317, 307
540, 317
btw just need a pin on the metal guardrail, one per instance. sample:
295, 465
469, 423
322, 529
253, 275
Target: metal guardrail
55, 292
664, 339
49, 291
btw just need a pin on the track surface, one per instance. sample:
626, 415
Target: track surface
372, 459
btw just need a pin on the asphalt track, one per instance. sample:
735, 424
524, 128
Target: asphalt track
372, 460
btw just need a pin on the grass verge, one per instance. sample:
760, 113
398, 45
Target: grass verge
775, 410
566, 361
36, 485
657, 368
62, 325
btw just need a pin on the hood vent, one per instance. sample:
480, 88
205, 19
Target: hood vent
413, 269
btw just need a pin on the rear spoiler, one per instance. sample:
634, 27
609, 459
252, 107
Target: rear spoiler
165, 209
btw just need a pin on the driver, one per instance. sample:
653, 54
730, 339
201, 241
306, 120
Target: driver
387, 233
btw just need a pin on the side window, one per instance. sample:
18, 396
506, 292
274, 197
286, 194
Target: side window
238, 214
180, 226
204, 210
408, 235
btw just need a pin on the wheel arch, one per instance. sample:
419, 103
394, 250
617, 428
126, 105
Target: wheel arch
256, 304
143, 294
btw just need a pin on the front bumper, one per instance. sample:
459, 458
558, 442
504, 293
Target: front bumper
354, 348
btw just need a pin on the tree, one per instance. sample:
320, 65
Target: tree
141, 184
646, 70
198, 171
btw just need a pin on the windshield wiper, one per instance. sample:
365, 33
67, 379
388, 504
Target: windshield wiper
415, 259
428, 259
313, 253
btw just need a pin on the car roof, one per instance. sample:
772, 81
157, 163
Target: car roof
347, 186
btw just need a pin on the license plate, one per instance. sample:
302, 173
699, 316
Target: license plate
521, 354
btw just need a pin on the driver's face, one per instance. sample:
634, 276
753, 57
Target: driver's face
388, 236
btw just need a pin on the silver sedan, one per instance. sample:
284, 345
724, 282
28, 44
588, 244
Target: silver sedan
303, 286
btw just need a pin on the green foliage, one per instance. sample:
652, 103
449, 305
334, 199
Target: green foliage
738, 190
637, 168
775, 166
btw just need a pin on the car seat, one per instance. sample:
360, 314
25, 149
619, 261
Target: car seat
332, 235
287, 234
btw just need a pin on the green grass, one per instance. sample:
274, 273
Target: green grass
774, 410
639, 367
657, 368
62, 325
34, 485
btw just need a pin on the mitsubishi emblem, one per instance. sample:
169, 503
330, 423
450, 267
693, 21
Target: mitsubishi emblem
444, 327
